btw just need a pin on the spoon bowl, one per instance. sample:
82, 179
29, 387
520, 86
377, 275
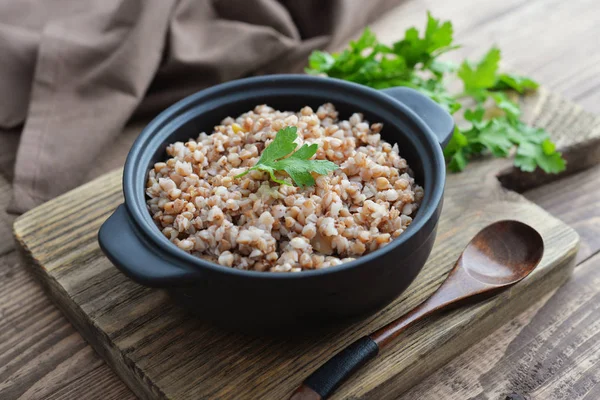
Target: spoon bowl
502, 253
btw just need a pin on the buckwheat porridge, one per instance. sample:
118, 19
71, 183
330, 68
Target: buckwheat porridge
358, 199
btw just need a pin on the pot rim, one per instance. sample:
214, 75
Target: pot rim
148, 140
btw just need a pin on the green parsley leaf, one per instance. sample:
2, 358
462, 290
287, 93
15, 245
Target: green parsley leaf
475, 116
458, 161
524, 133
436, 40
551, 163
281, 146
439, 68
320, 61
413, 62
536, 149
438, 36
529, 156
436, 90
367, 40
494, 137
548, 147
480, 76
511, 109
455, 151
516, 82
297, 164
368, 62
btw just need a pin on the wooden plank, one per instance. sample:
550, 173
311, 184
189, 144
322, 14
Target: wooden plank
551, 351
41, 355
576, 201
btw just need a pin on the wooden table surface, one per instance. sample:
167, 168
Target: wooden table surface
552, 351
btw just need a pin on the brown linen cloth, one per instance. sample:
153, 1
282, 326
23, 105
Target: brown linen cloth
74, 72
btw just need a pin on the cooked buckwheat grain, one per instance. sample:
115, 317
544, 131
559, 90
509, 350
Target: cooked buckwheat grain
253, 223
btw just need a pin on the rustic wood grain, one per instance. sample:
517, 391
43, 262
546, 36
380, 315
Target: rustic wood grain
576, 201
41, 355
162, 353
555, 41
551, 351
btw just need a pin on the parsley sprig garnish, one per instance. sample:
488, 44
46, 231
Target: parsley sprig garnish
280, 156
413, 62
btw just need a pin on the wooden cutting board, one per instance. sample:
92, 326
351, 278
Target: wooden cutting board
163, 353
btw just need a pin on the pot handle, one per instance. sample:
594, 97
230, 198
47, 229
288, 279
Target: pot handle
123, 246
439, 120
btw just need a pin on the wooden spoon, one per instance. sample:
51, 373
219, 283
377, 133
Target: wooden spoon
499, 256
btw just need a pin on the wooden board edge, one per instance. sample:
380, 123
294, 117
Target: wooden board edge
144, 389
555, 277
20, 222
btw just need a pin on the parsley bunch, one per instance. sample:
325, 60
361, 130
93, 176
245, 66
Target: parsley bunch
493, 122
279, 155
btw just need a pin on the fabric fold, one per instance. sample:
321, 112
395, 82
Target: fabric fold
75, 73
85, 88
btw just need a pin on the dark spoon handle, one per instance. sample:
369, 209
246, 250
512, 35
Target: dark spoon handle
331, 374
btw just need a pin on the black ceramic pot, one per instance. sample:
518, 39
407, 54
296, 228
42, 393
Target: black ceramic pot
249, 299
